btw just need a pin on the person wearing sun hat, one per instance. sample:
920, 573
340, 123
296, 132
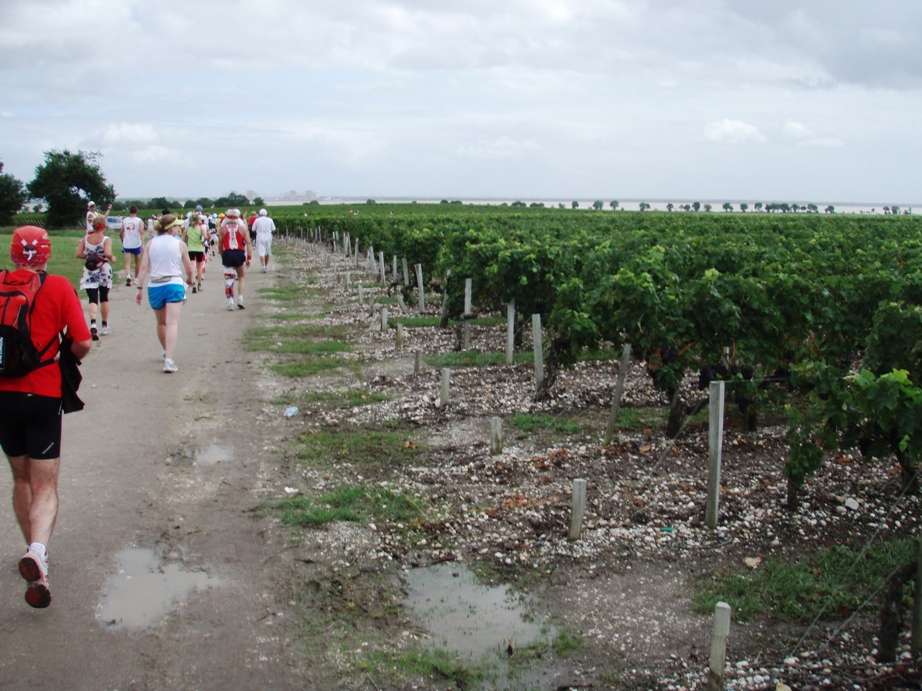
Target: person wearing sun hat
236, 253
165, 260
31, 405
92, 213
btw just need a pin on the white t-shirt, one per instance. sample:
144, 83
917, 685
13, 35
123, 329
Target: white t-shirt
90, 215
131, 229
165, 260
264, 225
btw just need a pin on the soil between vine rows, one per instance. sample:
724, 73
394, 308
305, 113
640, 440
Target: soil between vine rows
624, 588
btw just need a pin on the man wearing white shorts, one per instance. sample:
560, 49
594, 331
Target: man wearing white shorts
264, 227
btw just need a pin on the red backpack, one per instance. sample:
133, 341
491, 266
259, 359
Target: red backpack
18, 354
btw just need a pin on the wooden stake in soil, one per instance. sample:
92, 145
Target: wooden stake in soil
395, 268
422, 290
384, 319
444, 396
398, 339
916, 647
406, 273
578, 509
718, 659
468, 290
381, 271
443, 316
496, 436
510, 332
619, 391
538, 338
715, 451
417, 362
361, 295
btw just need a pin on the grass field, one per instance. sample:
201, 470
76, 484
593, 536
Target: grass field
63, 247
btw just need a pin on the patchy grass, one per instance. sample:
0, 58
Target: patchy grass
290, 293
529, 423
432, 663
298, 339
348, 503
351, 398
296, 316
473, 358
309, 367
369, 448
829, 581
416, 322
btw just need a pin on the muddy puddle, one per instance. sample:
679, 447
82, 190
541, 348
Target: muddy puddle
144, 590
465, 617
210, 455
487, 625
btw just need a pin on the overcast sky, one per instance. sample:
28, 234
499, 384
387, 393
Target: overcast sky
759, 100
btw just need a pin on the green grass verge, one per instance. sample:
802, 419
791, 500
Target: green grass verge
829, 580
529, 423
473, 358
346, 503
309, 367
290, 293
362, 447
298, 339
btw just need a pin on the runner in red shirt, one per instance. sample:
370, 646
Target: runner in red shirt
236, 252
30, 409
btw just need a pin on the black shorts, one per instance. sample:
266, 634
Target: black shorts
97, 295
197, 257
234, 258
30, 425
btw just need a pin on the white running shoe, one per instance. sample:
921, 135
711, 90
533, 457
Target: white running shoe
169, 365
230, 305
104, 330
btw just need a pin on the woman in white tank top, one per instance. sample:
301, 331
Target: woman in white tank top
165, 260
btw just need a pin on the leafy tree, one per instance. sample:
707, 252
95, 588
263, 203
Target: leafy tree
670, 206
758, 206
744, 206
560, 205
644, 206
258, 201
696, 206
12, 196
575, 204
613, 205
895, 210
707, 208
232, 200
67, 181
830, 209
727, 206
598, 204
160, 203
518, 202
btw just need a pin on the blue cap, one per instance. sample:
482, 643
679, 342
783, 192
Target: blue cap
198, 207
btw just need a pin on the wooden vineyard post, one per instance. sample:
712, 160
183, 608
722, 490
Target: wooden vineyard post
361, 295
422, 290
395, 268
619, 391
538, 343
443, 317
718, 659
445, 394
381, 269
355, 256
384, 319
577, 510
417, 362
715, 450
510, 332
916, 646
398, 339
406, 273
467, 312
496, 436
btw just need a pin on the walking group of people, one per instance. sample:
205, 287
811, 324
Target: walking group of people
44, 335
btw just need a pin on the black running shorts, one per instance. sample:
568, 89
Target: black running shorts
30, 425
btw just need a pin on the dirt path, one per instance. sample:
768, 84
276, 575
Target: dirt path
131, 478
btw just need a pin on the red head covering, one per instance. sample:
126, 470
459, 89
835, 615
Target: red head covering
31, 246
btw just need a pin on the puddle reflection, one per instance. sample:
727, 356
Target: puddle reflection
464, 616
145, 590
